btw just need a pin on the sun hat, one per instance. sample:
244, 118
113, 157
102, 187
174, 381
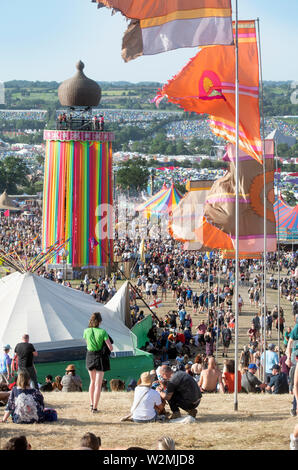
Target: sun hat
70, 367
146, 379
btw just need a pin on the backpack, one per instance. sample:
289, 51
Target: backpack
50, 414
26, 408
227, 334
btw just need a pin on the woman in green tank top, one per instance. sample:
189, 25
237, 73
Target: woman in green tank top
95, 338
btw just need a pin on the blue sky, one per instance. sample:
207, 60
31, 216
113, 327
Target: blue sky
43, 40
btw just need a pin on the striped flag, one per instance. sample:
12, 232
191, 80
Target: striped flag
158, 26
206, 85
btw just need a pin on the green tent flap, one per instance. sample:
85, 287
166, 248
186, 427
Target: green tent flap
124, 368
141, 330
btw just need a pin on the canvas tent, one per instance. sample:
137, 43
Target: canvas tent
55, 317
6, 203
188, 214
280, 138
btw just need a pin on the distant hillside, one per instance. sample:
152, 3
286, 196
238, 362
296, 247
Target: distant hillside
22, 94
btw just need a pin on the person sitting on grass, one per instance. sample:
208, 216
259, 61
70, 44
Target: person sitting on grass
57, 384
90, 442
25, 404
70, 381
278, 383
210, 378
47, 387
17, 443
249, 382
147, 401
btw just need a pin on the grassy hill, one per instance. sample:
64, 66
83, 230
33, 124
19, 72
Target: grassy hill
25, 94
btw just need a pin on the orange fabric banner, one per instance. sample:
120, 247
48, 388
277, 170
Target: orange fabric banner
158, 26
206, 85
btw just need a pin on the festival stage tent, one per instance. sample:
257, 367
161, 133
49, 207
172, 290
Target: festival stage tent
287, 219
55, 317
280, 138
161, 203
189, 213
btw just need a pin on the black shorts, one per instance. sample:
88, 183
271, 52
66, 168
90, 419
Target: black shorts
94, 360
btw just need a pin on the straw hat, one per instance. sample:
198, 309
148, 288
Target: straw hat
146, 379
70, 367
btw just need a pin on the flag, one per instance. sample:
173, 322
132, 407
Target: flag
218, 230
7, 213
206, 85
93, 243
188, 214
158, 26
156, 303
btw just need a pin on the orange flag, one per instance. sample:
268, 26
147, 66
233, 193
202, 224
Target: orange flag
206, 85
158, 26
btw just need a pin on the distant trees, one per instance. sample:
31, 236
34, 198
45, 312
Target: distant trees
13, 174
133, 175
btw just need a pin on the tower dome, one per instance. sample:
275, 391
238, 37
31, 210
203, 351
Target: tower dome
79, 90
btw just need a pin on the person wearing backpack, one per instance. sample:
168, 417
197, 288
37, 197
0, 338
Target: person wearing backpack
226, 339
25, 404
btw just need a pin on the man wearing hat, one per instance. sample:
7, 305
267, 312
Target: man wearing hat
279, 382
271, 359
249, 382
5, 362
70, 381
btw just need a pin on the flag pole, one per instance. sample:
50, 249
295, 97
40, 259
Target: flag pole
278, 258
265, 207
237, 208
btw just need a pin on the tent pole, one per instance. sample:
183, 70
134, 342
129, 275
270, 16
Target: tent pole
217, 319
237, 208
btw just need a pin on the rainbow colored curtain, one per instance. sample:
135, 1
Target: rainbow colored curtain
78, 179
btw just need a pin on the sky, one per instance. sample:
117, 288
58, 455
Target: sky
44, 40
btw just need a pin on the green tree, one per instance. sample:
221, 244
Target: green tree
13, 174
283, 150
133, 175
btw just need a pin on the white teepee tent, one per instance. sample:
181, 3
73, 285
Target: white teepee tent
55, 316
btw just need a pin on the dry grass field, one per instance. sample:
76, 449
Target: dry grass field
262, 422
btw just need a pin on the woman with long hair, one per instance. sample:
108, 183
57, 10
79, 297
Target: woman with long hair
25, 404
95, 337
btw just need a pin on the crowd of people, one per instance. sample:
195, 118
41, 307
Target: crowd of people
20, 234
188, 342
27, 114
